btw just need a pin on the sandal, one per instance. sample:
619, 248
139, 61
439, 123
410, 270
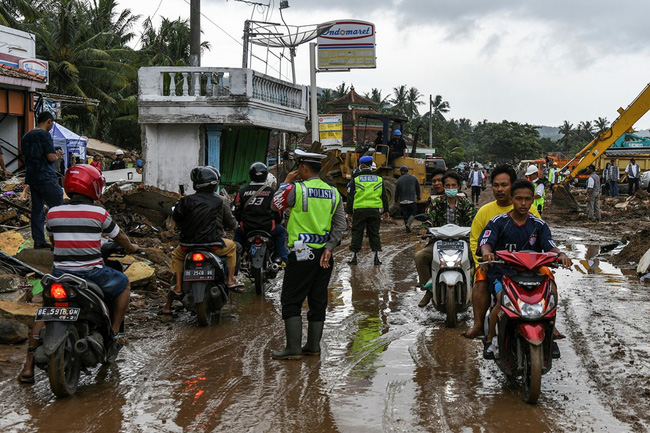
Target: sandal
168, 313
175, 296
26, 379
237, 288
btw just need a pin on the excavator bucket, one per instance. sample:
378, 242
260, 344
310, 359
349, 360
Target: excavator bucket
563, 199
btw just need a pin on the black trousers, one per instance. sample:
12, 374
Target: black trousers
476, 193
632, 185
408, 210
370, 220
302, 280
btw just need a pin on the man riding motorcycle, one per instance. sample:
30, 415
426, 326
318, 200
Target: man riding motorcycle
76, 230
516, 230
253, 211
201, 218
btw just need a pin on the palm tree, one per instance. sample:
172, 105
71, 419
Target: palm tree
566, 129
586, 129
375, 95
17, 13
602, 124
169, 45
326, 96
412, 101
399, 100
341, 90
439, 107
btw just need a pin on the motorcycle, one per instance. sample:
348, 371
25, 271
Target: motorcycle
526, 320
451, 271
204, 282
78, 331
260, 266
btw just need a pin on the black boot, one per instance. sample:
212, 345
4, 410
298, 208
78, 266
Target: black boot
293, 330
314, 334
377, 261
353, 260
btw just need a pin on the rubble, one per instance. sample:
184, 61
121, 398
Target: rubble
12, 331
644, 263
140, 274
11, 241
22, 312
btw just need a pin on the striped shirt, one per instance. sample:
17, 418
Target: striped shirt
76, 229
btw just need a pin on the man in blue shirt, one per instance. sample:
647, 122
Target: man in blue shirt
37, 150
517, 230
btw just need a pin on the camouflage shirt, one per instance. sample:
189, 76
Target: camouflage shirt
463, 214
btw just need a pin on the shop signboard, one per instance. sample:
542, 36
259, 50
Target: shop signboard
348, 44
330, 129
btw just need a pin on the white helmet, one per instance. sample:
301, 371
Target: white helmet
119, 152
532, 169
271, 181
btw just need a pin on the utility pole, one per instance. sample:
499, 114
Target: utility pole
195, 33
430, 121
247, 29
314, 92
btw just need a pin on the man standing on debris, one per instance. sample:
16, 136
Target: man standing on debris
118, 163
367, 200
613, 176
37, 150
316, 226
593, 194
633, 174
407, 194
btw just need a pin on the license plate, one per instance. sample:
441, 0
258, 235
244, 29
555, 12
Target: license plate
451, 245
65, 314
198, 274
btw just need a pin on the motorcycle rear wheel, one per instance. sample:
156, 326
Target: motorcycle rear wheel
203, 316
450, 304
532, 376
64, 366
258, 276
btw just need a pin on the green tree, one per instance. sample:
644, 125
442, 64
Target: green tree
412, 101
17, 13
567, 131
602, 124
399, 100
375, 95
341, 90
507, 141
439, 108
169, 44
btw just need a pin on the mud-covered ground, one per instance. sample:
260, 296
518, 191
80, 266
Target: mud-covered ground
386, 365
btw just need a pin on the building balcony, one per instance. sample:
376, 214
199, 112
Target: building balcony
229, 96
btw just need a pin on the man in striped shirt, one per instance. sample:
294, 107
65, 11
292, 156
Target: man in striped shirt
76, 230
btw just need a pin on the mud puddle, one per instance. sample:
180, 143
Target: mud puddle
386, 364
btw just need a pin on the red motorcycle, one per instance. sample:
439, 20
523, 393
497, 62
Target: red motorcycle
526, 319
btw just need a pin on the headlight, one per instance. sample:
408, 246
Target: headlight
453, 260
551, 303
532, 311
506, 302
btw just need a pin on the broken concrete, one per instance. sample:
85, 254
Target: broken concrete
12, 331
23, 312
41, 259
140, 274
11, 241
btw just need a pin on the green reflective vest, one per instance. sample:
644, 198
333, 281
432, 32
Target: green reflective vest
311, 217
368, 189
538, 202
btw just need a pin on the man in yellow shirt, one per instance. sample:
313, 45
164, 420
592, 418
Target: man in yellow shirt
502, 178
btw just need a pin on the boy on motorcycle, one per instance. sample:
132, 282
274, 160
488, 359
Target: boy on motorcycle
447, 209
516, 230
76, 230
201, 218
253, 211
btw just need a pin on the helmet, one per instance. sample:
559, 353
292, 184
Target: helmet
397, 132
84, 179
205, 176
119, 152
532, 169
258, 172
271, 181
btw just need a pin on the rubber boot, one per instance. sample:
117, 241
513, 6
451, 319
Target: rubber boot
353, 260
377, 261
426, 299
293, 330
314, 334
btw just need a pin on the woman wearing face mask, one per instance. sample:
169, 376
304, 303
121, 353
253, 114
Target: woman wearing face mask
450, 208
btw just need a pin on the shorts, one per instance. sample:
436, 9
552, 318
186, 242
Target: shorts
108, 279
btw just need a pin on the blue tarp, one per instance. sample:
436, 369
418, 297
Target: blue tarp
69, 142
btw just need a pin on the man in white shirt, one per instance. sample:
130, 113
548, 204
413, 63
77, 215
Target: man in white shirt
475, 180
633, 174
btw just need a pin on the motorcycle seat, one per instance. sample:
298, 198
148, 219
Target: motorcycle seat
96, 289
528, 280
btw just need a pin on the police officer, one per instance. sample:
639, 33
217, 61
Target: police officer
315, 227
367, 199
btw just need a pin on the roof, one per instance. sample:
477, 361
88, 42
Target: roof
60, 131
96, 146
353, 98
21, 74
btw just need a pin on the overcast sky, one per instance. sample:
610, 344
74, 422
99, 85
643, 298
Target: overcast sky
535, 61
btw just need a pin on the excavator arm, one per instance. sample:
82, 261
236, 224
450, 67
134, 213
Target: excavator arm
597, 147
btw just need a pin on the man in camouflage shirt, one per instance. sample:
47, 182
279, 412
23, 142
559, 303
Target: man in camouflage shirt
448, 209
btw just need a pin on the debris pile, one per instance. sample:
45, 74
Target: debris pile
634, 206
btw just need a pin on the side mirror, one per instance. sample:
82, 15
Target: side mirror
422, 217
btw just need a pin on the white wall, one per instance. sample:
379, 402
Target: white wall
171, 151
17, 43
9, 132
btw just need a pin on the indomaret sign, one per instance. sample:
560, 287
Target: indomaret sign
348, 44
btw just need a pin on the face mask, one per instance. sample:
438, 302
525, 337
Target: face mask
451, 192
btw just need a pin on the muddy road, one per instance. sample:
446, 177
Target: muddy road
386, 364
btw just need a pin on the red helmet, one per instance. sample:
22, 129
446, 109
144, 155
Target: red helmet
84, 179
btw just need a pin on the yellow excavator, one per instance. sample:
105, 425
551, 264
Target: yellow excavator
596, 148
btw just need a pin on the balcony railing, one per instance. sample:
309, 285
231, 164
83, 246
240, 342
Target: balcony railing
187, 83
